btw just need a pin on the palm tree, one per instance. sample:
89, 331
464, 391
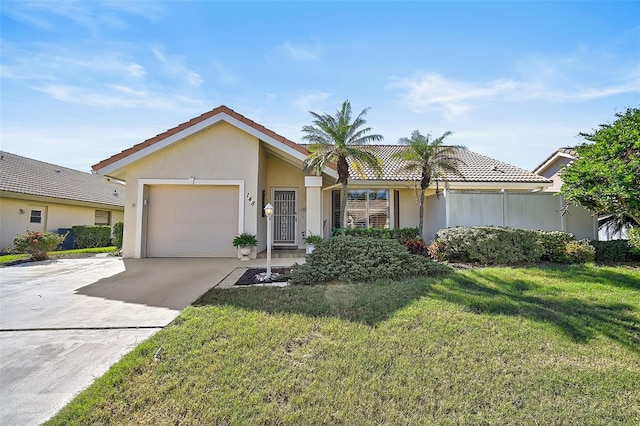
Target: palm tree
337, 139
430, 159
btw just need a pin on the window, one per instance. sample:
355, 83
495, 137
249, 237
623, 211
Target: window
103, 217
36, 216
368, 208
335, 209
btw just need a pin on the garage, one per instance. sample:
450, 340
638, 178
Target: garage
191, 221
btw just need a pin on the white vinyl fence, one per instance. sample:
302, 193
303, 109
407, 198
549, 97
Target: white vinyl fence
525, 210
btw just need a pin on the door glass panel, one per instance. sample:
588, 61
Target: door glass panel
284, 217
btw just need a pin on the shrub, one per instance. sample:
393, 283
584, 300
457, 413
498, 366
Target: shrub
489, 245
613, 251
417, 246
37, 244
118, 233
399, 234
88, 236
579, 252
354, 259
554, 244
634, 238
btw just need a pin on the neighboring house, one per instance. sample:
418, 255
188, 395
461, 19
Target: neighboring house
38, 196
191, 189
550, 168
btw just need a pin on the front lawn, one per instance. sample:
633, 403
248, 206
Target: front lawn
546, 345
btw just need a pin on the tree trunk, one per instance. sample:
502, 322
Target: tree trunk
343, 207
421, 224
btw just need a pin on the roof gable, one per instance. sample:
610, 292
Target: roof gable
24, 175
566, 152
175, 134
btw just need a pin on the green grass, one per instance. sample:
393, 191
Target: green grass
13, 257
546, 345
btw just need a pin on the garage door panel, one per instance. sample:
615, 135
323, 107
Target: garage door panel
192, 221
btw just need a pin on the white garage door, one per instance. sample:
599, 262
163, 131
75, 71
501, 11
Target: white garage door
192, 221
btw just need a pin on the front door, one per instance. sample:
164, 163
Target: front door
285, 220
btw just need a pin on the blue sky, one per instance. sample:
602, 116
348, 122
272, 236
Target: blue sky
82, 80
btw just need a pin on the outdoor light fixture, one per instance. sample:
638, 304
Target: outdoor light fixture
268, 210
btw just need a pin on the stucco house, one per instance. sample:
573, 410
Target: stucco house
551, 168
39, 196
553, 164
191, 189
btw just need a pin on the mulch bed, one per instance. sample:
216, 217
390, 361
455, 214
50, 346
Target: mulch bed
249, 277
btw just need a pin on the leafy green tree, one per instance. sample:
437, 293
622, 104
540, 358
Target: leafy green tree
429, 159
340, 140
605, 178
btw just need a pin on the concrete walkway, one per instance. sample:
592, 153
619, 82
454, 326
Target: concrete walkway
63, 323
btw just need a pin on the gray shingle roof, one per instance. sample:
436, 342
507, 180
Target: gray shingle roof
475, 168
27, 176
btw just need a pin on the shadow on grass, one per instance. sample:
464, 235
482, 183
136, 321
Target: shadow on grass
562, 296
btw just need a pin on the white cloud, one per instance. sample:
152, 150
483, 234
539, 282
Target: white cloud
311, 100
432, 91
113, 96
175, 66
301, 52
92, 15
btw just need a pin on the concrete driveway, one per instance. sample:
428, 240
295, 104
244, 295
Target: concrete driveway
63, 323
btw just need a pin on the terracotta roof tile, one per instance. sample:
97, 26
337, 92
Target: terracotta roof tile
27, 176
475, 168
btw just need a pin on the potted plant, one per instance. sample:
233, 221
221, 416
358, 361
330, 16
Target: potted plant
312, 241
244, 242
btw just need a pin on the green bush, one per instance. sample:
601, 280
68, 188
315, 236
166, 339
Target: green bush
634, 238
613, 251
579, 252
354, 259
399, 234
37, 244
89, 236
118, 233
555, 245
490, 245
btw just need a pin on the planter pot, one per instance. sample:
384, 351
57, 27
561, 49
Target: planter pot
310, 248
245, 251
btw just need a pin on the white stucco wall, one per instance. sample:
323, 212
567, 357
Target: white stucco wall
57, 215
221, 152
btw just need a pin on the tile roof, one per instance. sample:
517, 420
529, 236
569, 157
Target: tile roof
221, 109
474, 168
27, 176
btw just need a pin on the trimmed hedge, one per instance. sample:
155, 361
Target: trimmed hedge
354, 259
402, 235
118, 233
88, 236
614, 251
488, 245
492, 245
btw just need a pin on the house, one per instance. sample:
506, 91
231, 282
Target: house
191, 189
38, 196
551, 168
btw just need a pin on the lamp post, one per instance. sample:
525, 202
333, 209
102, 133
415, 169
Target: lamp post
268, 210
